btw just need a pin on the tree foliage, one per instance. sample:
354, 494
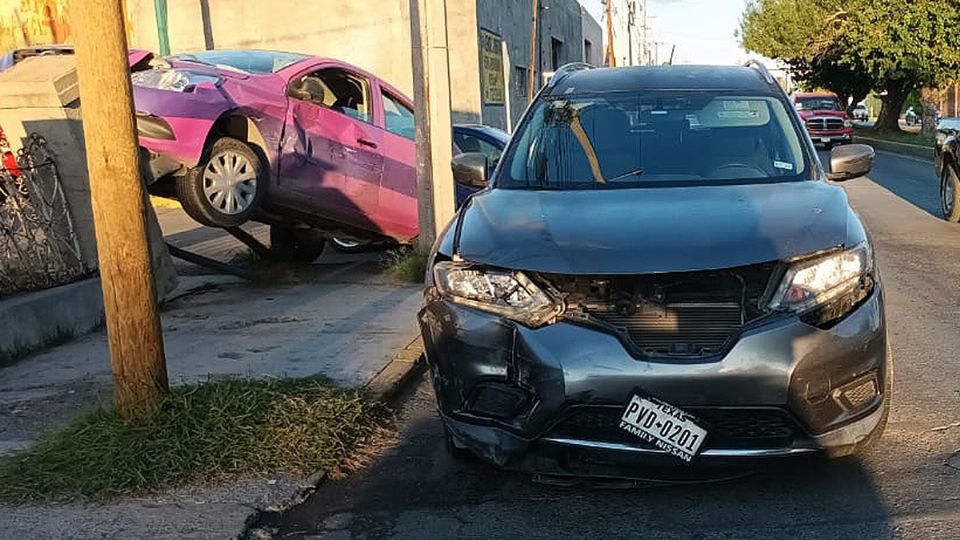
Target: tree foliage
853, 46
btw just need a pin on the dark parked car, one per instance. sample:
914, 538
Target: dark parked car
947, 159
659, 274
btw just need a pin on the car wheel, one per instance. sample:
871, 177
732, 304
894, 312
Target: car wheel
299, 246
346, 245
227, 189
454, 451
950, 193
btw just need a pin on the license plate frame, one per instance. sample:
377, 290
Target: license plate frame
826, 139
663, 425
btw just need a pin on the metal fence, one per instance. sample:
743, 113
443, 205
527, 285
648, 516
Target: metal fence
38, 244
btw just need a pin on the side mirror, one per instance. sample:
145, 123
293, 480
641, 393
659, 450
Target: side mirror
850, 161
470, 169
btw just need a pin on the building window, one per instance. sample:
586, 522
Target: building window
520, 81
587, 51
556, 51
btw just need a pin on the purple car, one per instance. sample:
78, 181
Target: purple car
314, 147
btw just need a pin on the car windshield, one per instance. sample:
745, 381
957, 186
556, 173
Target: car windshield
817, 104
647, 138
260, 62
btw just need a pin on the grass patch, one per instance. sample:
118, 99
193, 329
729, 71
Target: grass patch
904, 137
199, 433
406, 264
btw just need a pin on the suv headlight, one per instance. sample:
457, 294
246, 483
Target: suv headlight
836, 283
509, 294
171, 79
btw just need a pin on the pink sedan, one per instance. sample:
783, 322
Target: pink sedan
312, 146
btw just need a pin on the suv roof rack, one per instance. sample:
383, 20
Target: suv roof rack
761, 69
566, 69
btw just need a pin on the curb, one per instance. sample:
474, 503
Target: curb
392, 379
164, 202
387, 384
896, 147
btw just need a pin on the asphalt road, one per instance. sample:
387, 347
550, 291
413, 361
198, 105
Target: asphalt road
908, 486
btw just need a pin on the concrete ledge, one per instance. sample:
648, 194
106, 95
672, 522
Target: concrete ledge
390, 380
31, 321
896, 147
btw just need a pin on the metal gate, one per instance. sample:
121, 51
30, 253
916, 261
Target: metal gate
38, 244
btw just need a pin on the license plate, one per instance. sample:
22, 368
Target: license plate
824, 139
665, 426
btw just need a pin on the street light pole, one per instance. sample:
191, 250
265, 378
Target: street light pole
119, 207
431, 97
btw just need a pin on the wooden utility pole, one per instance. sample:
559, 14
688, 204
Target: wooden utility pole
534, 43
611, 57
119, 206
431, 97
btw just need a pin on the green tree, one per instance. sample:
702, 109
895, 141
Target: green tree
892, 46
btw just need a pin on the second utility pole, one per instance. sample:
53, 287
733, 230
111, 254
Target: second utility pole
431, 98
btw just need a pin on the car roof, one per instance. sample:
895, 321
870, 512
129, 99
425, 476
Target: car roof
490, 131
601, 80
814, 95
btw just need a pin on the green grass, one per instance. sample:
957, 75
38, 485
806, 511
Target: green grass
406, 264
199, 433
896, 136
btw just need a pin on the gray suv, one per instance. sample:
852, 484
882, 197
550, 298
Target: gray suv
660, 274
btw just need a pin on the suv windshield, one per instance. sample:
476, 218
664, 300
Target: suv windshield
259, 62
646, 138
818, 104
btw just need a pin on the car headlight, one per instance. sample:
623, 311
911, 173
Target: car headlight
838, 281
171, 79
848, 123
509, 294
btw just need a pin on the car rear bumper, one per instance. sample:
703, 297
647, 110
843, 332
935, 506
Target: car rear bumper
784, 369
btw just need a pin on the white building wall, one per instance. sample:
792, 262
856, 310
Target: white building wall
629, 37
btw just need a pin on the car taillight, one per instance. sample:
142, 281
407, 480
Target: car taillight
8, 160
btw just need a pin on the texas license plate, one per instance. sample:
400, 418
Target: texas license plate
665, 426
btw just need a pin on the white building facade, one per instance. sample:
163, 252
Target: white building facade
628, 18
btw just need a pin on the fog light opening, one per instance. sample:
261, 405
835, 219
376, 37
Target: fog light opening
857, 394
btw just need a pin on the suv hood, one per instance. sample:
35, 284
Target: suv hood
648, 230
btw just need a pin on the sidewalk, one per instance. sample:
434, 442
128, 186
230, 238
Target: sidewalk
345, 321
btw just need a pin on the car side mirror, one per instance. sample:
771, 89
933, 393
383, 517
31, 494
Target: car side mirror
470, 169
850, 161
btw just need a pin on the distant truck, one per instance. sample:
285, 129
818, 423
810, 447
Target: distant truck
824, 117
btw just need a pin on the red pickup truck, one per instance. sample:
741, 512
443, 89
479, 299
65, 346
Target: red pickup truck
824, 117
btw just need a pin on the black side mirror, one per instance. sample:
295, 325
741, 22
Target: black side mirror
470, 169
850, 161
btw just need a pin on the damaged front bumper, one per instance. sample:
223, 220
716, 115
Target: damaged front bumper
547, 400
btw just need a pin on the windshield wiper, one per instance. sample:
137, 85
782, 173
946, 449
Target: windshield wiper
636, 172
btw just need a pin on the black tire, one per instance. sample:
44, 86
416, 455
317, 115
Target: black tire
344, 245
454, 451
225, 158
298, 246
950, 193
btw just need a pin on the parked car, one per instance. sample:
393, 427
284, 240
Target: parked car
947, 162
313, 147
16, 56
478, 138
824, 117
660, 274
860, 112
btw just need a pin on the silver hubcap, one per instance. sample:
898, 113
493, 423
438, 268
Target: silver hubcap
345, 243
948, 180
229, 182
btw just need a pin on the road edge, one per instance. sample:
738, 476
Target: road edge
384, 386
896, 147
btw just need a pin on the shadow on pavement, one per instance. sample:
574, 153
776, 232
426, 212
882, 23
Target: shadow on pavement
416, 490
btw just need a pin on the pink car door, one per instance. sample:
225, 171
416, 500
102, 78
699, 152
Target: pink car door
329, 163
398, 189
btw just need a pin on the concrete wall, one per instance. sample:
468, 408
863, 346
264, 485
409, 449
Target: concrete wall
592, 33
511, 19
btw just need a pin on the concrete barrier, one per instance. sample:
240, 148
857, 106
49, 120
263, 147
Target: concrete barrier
896, 147
32, 321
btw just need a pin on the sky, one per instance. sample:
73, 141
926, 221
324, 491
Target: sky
702, 30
